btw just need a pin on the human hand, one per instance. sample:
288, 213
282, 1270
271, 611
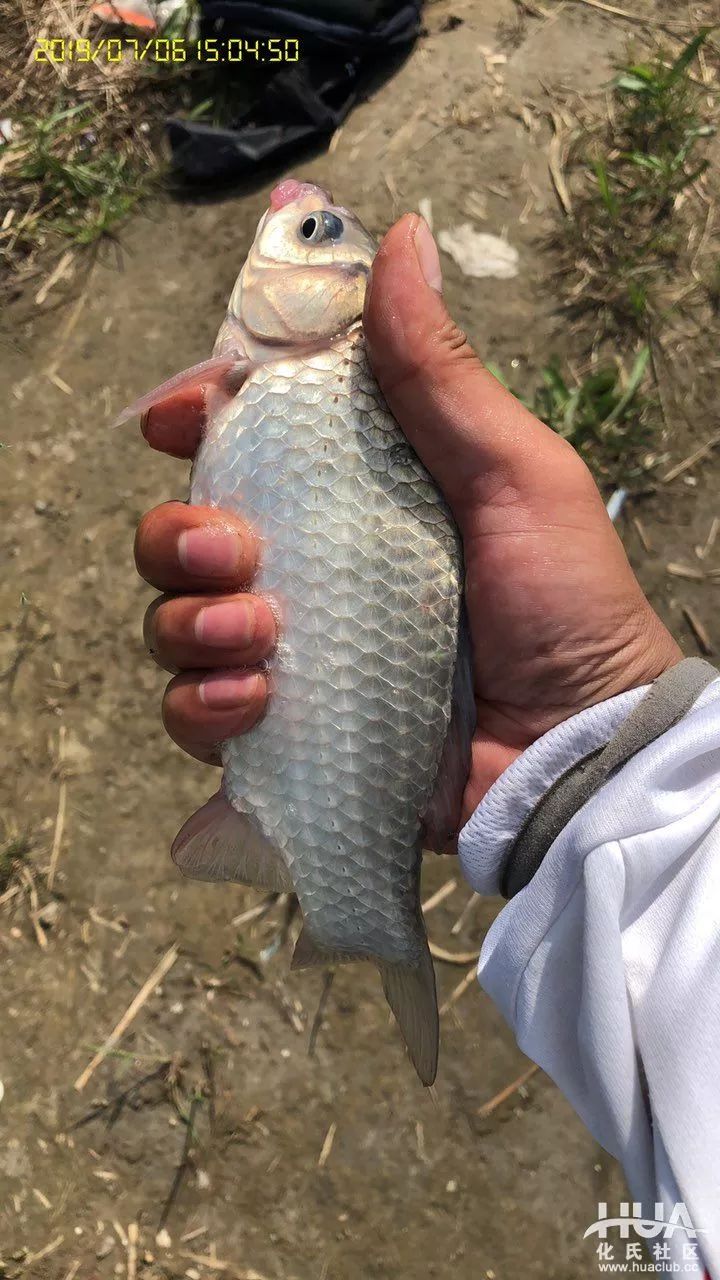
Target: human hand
207, 626
557, 618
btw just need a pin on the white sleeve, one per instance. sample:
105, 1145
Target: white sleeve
607, 965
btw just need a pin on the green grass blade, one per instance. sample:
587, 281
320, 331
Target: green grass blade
569, 425
606, 193
687, 55
631, 83
637, 373
497, 373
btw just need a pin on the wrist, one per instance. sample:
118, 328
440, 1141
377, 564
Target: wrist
489, 834
643, 650
506, 839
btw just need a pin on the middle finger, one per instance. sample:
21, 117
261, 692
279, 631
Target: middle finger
196, 632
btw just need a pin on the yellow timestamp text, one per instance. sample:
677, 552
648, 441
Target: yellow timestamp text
166, 50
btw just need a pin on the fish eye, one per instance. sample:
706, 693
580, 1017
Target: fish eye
321, 226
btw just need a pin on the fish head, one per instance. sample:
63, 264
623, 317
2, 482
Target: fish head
305, 276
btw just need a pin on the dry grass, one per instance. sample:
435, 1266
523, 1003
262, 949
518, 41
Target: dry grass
86, 140
639, 182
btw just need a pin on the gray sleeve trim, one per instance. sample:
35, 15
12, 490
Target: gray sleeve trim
667, 701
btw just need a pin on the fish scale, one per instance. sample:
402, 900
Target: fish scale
361, 558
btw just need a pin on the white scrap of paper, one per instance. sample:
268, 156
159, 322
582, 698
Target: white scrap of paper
425, 210
478, 253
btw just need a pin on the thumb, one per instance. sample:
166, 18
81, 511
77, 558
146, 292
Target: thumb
478, 442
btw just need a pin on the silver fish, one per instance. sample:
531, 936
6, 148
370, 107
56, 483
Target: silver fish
365, 744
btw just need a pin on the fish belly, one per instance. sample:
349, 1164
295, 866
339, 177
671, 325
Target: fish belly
360, 558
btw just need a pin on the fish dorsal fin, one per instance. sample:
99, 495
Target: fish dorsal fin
218, 843
411, 994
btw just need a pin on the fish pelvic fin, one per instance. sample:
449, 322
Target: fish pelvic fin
410, 991
218, 843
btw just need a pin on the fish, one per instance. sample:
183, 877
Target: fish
363, 752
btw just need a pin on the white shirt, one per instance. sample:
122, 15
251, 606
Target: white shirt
607, 965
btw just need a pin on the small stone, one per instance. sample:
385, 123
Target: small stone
40, 506
451, 1186
105, 1247
163, 1239
203, 1180
48, 914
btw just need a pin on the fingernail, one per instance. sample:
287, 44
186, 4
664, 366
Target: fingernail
212, 553
224, 690
228, 625
428, 256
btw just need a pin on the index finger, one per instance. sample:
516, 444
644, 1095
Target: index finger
175, 425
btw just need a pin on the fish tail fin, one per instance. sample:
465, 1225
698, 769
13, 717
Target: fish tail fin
218, 843
410, 991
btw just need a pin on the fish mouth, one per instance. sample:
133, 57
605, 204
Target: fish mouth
291, 189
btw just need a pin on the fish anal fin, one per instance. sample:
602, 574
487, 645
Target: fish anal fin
308, 955
218, 843
225, 373
410, 991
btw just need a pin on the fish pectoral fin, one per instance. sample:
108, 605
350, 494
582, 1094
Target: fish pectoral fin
218, 843
411, 994
227, 372
308, 955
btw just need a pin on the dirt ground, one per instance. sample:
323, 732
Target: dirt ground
339, 1166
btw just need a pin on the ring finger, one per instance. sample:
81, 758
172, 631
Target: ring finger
206, 631
202, 711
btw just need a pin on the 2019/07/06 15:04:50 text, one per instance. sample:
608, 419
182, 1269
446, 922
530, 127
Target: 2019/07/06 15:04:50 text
166, 50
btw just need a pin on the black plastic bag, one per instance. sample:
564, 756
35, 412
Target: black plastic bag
302, 103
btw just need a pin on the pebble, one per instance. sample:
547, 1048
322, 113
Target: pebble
49, 913
105, 1247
